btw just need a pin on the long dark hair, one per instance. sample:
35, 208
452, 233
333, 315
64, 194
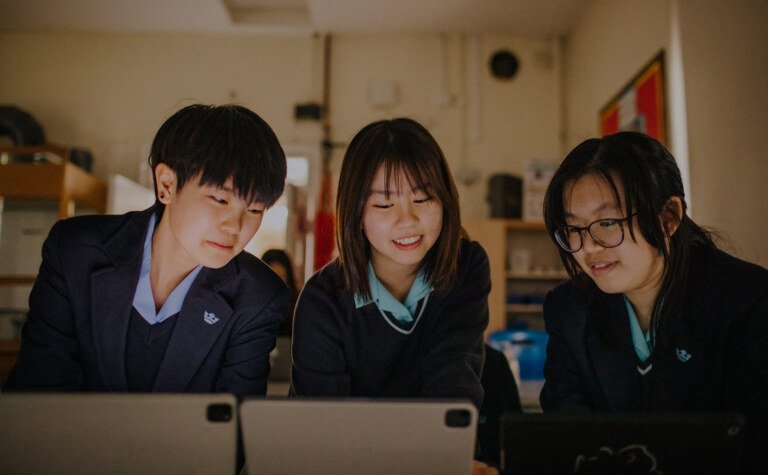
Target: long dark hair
400, 145
649, 176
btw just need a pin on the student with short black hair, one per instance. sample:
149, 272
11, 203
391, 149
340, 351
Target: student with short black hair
401, 311
655, 318
166, 300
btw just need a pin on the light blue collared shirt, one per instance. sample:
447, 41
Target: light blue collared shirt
641, 341
144, 300
406, 313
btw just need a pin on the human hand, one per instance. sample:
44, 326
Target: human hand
481, 468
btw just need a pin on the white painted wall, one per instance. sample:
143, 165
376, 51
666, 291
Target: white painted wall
725, 55
110, 92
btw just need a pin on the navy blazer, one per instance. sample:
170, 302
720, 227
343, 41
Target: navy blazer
724, 329
75, 335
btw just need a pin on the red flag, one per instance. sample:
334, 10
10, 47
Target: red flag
324, 224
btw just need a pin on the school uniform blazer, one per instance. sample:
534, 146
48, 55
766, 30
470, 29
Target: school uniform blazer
340, 350
75, 335
719, 357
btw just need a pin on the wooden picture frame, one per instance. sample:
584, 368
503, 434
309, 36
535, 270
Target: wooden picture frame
640, 105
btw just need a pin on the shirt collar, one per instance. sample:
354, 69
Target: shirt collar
641, 341
144, 300
403, 311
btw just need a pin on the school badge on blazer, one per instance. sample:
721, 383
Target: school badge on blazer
682, 355
210, 318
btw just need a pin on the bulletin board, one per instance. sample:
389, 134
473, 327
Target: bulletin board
640, 105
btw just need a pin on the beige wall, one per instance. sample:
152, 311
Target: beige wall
725, 63
725, 52
110, 92
611, 41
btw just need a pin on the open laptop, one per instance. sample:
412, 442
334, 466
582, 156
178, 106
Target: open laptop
351, 436
117, 433
592, 443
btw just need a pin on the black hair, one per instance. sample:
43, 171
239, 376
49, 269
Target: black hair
218, 143
399, 145
649, 176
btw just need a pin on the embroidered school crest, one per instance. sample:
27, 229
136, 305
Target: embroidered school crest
210, 318
682, 355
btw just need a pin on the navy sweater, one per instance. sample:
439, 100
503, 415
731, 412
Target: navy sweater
339, 350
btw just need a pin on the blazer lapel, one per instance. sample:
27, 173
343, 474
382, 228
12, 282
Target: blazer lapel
675, 369
112, 290
614, 363
202, 319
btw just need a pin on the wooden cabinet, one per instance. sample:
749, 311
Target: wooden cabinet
48, 177
524, 265
52, 178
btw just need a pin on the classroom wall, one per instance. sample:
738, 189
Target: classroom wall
109, 92
725, 51
724, 63
609, 44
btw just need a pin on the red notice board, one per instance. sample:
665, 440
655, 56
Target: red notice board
639, 106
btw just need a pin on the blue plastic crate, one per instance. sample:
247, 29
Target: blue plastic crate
527, 346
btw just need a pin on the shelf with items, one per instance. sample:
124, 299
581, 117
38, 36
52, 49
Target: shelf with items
524, 265
38, 186
49, 176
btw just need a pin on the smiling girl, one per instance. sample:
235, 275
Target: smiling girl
655, 316
401, 311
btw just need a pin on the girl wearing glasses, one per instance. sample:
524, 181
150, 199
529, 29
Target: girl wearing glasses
655, 316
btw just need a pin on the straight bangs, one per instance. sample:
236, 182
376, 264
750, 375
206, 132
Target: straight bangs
620, 167
241, 151
410, 157
223, 142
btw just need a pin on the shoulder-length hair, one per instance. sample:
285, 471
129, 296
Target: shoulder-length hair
399, 146
649, 177
219, 142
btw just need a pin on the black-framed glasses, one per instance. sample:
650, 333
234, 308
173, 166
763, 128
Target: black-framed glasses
605, 232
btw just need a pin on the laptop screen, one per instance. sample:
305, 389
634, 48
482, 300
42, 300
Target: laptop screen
117, 433
290, 436
621, 443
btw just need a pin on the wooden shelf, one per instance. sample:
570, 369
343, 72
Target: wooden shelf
57, 180
51, 177
522, 225
17, 280
556, 276
525, 308
499, 237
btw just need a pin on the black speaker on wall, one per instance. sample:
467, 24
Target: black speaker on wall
504, 64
